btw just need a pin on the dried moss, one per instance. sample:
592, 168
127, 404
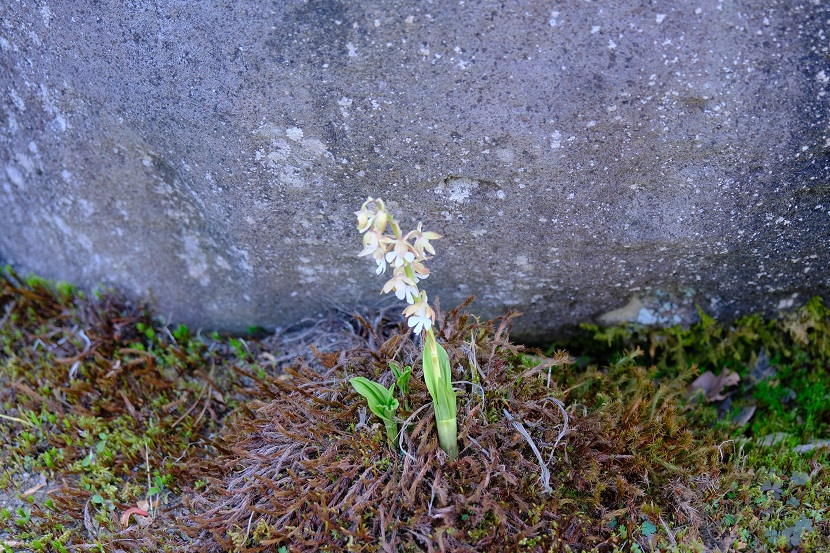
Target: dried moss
306, 466
258, 444
105, 408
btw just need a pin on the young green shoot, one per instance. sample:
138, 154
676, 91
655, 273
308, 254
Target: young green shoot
381, 402
402, 380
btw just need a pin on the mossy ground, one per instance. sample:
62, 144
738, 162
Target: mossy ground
259, 444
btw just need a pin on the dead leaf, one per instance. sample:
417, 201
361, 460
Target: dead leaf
712, 386
35, 488
89, 522
125, 517
743, 416
811, 446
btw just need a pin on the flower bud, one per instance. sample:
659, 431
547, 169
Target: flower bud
381, 219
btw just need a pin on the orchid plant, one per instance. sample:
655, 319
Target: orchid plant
406, 254
381, 402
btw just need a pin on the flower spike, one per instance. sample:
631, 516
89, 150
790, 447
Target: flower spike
406, 254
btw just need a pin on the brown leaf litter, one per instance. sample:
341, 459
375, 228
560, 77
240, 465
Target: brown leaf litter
306, 468
713, 386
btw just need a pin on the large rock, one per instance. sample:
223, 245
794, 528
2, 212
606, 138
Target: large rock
576, 158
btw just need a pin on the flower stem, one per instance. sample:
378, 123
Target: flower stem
396, 230
407, 267
391, 431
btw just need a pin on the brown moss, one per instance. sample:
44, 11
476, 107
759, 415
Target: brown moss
309, 470
108, 402
294, 459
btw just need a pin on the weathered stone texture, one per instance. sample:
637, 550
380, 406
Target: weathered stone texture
575, 154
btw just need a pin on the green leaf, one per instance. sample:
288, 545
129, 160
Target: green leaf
97, 499
372, 391
402, 380
396, 370
437, 375
648, 528
438, 380
380, 400
401, 375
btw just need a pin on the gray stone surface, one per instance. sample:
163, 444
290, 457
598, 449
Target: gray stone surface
578, 156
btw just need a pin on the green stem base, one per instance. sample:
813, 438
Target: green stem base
391, 432
448, 436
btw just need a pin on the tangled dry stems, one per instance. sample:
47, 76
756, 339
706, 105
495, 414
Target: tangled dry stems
303, 467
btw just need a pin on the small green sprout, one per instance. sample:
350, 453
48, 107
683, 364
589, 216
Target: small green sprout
25, 517
160, 484
102, 444
381, 402
181, 334
402, 380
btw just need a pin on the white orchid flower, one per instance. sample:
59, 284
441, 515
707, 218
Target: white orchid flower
419, 270
420, 321
380, 258
422, 239
403, 286
400, 253
372, 240
420, 305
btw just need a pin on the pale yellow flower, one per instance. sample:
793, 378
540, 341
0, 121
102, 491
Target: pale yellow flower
420, 320
419, 270
400, 253
379, 255
403, 286
379, 224
368, 212
422, 239
420, 308
373, 240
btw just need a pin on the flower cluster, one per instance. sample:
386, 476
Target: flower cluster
405, 254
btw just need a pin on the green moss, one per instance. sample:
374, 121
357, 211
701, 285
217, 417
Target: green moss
92, 412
